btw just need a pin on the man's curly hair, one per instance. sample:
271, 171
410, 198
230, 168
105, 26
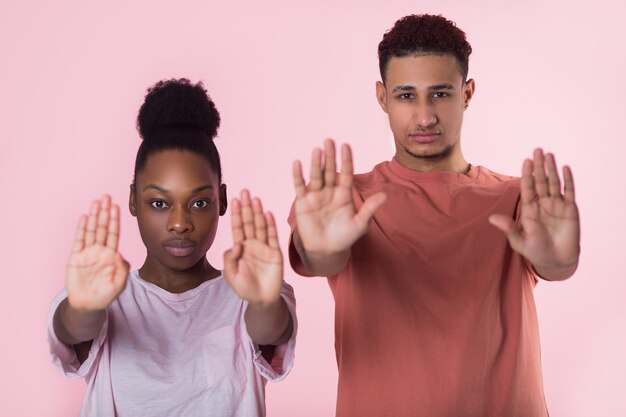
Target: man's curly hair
424, 34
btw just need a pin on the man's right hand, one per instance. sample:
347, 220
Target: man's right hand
327, 223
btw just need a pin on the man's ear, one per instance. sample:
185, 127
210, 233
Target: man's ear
468, 91
381, 95
132, 201
223, 199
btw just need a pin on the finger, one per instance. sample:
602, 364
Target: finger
527, 184
330, 165
102, 224
79, 239
298, 179
568, 179
247, 215
539, 174
509, 228
317, 181
260, 226
345, 177
553, 176
236, 221
272, 233
90, 234
369, 207
113, 229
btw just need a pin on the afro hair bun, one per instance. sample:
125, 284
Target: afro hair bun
177, 102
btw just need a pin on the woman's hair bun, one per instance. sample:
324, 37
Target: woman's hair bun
177, 103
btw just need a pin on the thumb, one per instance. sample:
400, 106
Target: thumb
231, 257
369, 207
121, 272
509, 228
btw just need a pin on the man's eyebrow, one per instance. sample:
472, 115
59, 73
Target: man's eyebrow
444, 86
406, 87
403, 88
165, 191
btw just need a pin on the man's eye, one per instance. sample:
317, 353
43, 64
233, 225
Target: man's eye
200, 204
406, 96
440, 94
158, 204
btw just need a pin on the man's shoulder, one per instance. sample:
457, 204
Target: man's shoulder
379, 173
505, 177
486, 176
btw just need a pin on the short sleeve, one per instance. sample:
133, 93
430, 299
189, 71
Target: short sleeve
284, 354
64, 356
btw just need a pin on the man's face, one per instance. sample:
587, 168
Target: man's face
425, 97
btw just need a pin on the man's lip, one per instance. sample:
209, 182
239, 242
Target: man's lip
424, 137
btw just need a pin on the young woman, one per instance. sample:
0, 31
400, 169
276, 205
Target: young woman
177, 337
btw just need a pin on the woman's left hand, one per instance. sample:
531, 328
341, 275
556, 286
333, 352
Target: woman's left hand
254, 266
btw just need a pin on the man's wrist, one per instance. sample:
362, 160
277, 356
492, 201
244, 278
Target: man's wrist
556, 273
323, 263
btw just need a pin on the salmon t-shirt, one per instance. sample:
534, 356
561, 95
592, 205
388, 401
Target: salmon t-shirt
434, 313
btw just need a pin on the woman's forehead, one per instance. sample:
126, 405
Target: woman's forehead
177, 169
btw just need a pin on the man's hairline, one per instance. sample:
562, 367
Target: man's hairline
425, 53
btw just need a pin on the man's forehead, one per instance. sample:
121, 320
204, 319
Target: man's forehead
423, 70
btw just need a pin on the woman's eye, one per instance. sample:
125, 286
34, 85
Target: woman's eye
158, 204
200, 204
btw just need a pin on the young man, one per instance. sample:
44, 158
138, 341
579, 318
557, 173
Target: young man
434, 307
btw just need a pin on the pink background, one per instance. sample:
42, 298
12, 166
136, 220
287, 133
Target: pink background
284, 77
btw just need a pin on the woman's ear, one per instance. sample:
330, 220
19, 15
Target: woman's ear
223, 199
132, 201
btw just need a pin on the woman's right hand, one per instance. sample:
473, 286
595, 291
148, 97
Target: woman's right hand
96, 272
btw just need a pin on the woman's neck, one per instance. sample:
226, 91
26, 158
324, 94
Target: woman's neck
177, 281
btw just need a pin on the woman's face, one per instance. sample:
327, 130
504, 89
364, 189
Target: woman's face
177, 199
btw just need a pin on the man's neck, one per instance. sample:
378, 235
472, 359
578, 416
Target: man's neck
456, 164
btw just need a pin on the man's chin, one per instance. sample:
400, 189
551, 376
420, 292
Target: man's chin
431, 154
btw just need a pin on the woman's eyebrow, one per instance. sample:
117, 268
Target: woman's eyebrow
202, 188
165, 191
155, 187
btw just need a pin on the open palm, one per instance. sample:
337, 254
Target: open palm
548, 231
254, 266
96, 273
326, 217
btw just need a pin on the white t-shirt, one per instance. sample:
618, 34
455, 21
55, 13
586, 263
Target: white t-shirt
166, 354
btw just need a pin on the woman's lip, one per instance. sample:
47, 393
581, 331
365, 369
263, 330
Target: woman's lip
179, 247
180, 251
